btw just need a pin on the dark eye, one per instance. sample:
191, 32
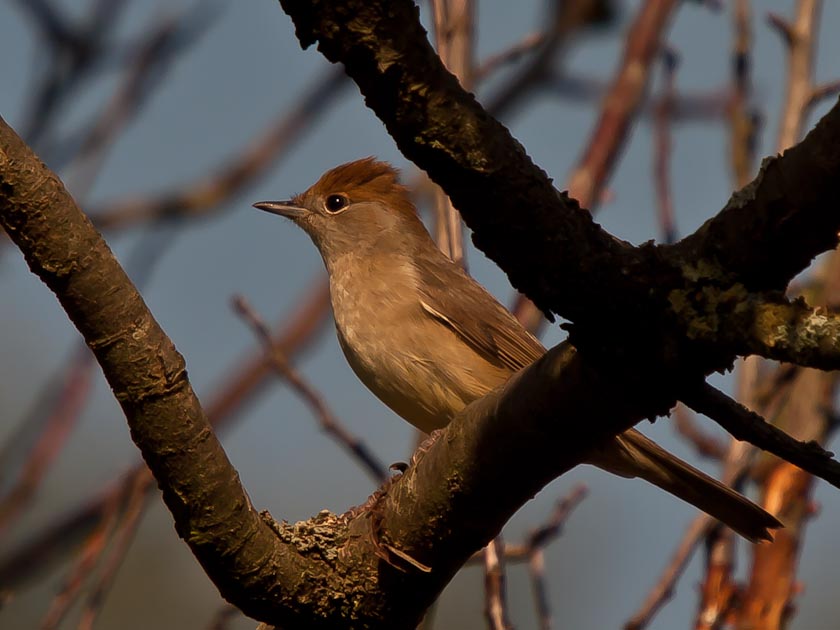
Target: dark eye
334, 203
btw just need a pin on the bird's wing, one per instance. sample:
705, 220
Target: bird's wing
497, 336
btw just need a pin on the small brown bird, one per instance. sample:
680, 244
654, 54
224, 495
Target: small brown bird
427, 339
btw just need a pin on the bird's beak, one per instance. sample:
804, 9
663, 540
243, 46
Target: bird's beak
283, 208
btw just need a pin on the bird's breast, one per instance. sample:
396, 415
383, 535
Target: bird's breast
417, 367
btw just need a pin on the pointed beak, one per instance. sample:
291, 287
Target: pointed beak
283, 208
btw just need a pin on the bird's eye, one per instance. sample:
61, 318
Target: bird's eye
334, 203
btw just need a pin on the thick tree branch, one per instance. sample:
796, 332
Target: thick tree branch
772, 229
767, 324
200, 487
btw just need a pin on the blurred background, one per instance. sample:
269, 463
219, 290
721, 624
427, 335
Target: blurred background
166, 120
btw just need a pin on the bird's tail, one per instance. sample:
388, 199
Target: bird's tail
634, 455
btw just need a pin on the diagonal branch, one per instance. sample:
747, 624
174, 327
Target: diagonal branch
782, 214
748, 426
148, 377
207, 193
354, 445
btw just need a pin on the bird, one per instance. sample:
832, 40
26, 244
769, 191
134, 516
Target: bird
427, 339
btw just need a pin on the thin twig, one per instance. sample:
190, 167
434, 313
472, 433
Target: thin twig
83, 565
206, 194
744, 120
538, 540
800, 38
221, 620
563, 20
622, 102
823, 91
553, 527
328, 421
74, 53
706, 444
737, 462
536, 570
123, 536
53, 424
512, 54
495, 590
748, 426
662, 147
663, 590
454, 35
546, 533
146, 71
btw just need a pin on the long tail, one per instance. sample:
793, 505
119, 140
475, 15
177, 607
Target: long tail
634, 455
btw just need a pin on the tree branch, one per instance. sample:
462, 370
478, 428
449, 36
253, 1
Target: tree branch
200, 487
748, 426
781, 214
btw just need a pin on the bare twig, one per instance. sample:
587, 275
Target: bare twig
53, 426
223, 617
744, 120
564, 19
622, 102
206, 194
328, 421
147, 69
84, 564
748, 426
737, 462
823, 91
543, 535
662, 147
552, 528
74, 53
663, 590
123, 534
454, 37
495, 595
535, 546
532, 550
800, 38
511, 54
536, 570
706, 444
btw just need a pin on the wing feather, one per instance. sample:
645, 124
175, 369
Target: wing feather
497, 335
